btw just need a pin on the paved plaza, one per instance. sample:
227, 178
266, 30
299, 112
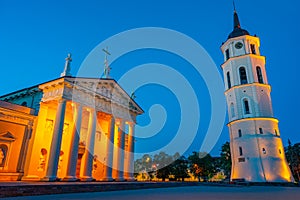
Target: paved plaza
188, 193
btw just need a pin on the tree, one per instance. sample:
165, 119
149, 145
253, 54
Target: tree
201, 165
225, 160
162, 161
292, 153
144, 166
180, 168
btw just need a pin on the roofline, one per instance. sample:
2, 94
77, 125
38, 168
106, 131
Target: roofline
37, 86
73, 77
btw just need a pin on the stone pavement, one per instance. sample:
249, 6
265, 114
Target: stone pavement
10, 189
15, 189
204, 192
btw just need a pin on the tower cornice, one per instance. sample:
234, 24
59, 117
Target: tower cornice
248, 85
253, 119
243, 56
244, 37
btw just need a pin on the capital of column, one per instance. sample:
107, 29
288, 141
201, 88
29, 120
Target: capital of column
131, 128
61, 100
89, 109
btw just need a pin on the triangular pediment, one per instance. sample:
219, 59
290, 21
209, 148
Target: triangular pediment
7, 136
108, 88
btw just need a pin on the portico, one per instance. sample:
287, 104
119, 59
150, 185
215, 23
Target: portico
81, 132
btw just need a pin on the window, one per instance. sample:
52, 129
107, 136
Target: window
253, 50
264, 151
98, 135
3, 155
259, 75
24, 104
243, 75
228, 80
241, 159
246, 107
261, 131
279, 151
232, 110
240, 133
227, 54
241, 151
276, 133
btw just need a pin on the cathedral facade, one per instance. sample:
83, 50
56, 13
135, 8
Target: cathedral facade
68, 129
257, 152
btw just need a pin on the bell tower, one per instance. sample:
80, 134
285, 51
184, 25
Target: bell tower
257, 151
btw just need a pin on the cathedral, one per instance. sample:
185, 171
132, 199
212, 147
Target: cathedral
257, 152
68, 129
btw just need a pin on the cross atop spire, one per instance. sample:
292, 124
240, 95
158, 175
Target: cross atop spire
234, 5
67, 68
107, 68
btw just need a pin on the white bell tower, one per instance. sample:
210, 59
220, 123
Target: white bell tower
257, 152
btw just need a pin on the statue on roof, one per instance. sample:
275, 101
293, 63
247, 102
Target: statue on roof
67, 68
107, 68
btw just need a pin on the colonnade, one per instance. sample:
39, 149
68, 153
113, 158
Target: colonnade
87, 159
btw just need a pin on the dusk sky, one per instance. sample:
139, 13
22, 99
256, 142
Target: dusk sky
36, 36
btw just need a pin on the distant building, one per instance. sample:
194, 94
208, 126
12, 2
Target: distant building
256, 147
68, 129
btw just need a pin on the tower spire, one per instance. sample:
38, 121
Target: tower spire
237, 30
236, 20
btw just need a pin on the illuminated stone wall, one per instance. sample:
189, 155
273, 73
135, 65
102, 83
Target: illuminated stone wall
77, 134
16, 123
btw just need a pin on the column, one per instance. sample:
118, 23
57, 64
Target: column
73, 149
109, 151
88, 156
56, 142
24, 148
130, 164
120, 145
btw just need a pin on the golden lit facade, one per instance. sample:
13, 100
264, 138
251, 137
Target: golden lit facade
16, 126
84, 130
257, 151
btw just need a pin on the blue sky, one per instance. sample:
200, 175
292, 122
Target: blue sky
36, 36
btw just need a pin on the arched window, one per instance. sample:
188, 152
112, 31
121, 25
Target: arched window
243, 75
259, 75
240, 133
228, 80
232, 111
246, 106
240, 151
264, 151
227, 54
253, 50
24, 104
